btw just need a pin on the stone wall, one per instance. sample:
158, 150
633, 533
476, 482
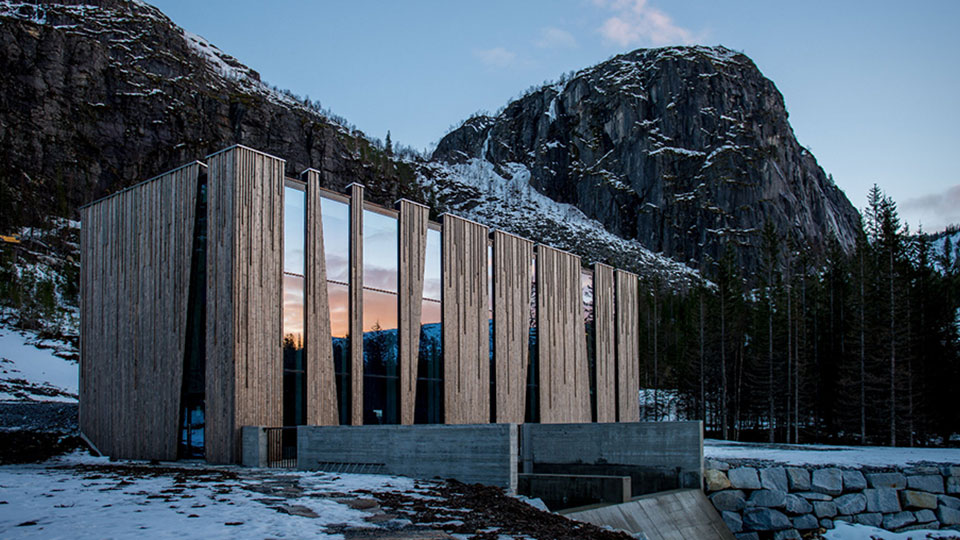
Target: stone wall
780, 502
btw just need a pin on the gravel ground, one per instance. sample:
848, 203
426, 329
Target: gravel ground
39, 416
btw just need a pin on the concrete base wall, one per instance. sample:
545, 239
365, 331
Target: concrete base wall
567, 491
476, 453
656, 455
253, 440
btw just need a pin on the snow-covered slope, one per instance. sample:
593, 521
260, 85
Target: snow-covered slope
31, 371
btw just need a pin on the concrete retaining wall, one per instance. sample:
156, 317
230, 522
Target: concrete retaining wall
476, 453
657, 456
782, 501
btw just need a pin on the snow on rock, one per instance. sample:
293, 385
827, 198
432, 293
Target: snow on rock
850, 531
34, 374
817, 454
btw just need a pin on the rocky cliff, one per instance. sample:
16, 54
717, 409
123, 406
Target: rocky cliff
684, 149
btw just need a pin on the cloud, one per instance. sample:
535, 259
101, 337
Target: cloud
497, 57
635, 22
555, 38
936, 211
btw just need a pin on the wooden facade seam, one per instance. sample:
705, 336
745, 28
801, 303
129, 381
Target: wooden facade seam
356, 304
412, 238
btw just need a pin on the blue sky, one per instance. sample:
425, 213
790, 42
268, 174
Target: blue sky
872, 87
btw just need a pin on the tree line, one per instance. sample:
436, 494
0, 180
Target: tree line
852, 346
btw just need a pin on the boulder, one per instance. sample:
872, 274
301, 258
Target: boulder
829, 481
799, 479
950, 470
949, 501
744, 478
716, 464
953, 485
854, 481
873, 519
748, 536
931, 483
852, 503
892, 522
731, 500
891, 480
826, 523
715, 480
765, 519
948, 516
733, 521
925, 516
774, 478
805, 522
797, 505
883, 500
767, 498
922, 470
787, 534
843, 518
824, 509
918, 499
813, 496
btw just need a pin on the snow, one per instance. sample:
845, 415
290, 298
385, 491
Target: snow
850, 531
817, 454
21, 359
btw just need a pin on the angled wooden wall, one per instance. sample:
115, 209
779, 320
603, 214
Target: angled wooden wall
244, 370
135, 254
511, 323
466, 334
628, 347
321, 395
356, 303
413, 252
605, 352
564, 383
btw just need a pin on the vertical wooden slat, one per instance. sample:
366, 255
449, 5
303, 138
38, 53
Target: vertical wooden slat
628, 347
356, 303
561, 339
605, 352
321, 395
412, 250
136, 249
511, 323
466, 333
244, 367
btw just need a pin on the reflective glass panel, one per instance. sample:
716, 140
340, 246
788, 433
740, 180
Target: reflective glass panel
429, 402
380, 257
586, 288
339, 295
533, 396
380, 377
294, 229
336, 239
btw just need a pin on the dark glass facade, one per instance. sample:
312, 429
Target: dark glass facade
294, 361
429, 401
194, 379
381, 380
336, 246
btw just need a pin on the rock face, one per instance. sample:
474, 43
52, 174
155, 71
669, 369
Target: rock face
685, 149
98, 98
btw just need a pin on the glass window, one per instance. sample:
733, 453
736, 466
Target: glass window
336, 252
294, 364
381, 381
533, 396
429, 403
586, 288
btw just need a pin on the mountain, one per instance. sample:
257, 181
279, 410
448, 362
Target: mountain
645, 161
684, 149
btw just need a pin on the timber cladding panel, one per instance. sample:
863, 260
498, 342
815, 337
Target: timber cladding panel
244, 357
466, 338
628, 346
356, 303
604, 328
564, 379
412, 251
321, 395
511, 323
135, 254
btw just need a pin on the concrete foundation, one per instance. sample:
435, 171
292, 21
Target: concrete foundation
657, 456
253, 440
476, 453
567, 491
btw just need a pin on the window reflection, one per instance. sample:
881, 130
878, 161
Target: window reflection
586, 289
533, 396
429, 402
381, 381
336, 252
294, 380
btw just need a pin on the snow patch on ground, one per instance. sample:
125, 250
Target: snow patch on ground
34, 374
819, 454
850, 531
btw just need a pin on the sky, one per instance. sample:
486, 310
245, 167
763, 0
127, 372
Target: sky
872, 87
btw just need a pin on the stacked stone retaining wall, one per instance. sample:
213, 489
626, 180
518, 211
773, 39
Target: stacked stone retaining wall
781, 502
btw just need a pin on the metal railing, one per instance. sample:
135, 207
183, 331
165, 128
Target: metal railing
281, 447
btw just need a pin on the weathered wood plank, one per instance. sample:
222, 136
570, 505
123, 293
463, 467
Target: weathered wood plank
511, 323
321, 395
356, 303
413, 251
628, 346
466, 333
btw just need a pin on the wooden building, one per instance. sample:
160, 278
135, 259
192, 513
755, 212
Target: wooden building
224, 294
